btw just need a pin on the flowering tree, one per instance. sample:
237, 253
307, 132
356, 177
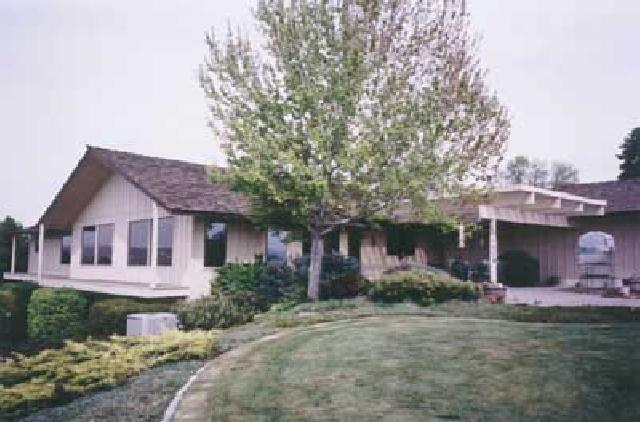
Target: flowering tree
351, 109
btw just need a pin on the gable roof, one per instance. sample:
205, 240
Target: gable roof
621, 195
177, 186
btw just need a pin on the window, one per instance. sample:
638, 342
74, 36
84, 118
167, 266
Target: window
400, 241
88, 245
355, 241
105, 244
65, 249
332, 243
139, 243
277, 246
215, 244
165, 241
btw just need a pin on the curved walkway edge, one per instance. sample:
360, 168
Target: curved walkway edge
191, 403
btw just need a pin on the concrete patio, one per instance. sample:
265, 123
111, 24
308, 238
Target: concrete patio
554, 296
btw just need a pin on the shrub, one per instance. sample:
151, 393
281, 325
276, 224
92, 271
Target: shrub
52, 376
14, 298
346, 286
7, 312
421, 287
333, 266
519, 269
109, 316
268, 283
238, 277
220, 310
280, 283
56, 314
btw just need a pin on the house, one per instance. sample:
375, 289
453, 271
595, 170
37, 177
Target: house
127, 224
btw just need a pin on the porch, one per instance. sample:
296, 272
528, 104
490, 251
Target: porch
532, 210
118, 288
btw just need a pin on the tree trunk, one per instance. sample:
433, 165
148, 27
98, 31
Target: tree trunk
315, 265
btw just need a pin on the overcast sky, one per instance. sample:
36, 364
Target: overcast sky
124, 75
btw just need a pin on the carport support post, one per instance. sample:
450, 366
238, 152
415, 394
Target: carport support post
40, 250
344, 242
493, 250
13, 254
154, 235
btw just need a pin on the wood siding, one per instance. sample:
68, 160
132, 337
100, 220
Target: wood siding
557, 248
374, 259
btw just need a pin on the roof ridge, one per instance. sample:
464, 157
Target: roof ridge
601, 182
135, 154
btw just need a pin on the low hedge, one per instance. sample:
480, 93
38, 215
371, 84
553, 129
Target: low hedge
14, 298
268, 283
56, 376
109, 316
7, 312
219, 310
56, 314
421, 287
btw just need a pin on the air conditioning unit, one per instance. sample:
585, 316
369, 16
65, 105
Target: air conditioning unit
151, 324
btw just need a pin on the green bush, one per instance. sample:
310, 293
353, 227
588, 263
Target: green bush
518, 269
7, 312
56, 314
345, 286
421, 287
14, 298
109, 316
220, 310
269, 284
238, 277
54, 376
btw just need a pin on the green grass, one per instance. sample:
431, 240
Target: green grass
335, 310
417, 368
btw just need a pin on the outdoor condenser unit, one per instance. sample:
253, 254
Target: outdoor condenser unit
151, 323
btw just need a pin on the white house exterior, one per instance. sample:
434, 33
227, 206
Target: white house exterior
126, 224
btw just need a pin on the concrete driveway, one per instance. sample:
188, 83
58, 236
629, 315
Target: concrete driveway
554, 296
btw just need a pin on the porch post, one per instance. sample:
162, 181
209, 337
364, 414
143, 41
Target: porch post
13, 254
493, 250
154, 236
40, 251
461, 236
344, 243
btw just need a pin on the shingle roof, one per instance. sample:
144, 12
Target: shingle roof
621, 195
176, 185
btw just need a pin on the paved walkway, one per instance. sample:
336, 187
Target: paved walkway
553, 296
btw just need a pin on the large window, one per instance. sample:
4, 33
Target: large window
277, 246
401, 241
165, 241
331, 243
139, 243
65, 249
355, 242
105, 244
88, 245
215, 244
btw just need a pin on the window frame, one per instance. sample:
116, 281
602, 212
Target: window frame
82, 244
148, 262
62, 247
207, 241
158, 255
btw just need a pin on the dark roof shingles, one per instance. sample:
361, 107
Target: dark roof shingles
176, 185
621, 195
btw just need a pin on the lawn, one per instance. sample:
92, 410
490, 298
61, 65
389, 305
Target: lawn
423, 368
